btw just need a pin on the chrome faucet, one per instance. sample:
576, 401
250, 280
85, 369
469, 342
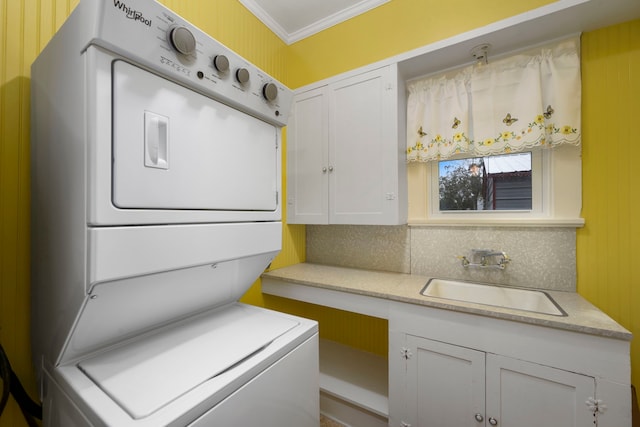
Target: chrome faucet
483, 258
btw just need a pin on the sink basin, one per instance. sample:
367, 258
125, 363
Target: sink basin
494, 295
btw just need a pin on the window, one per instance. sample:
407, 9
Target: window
486, 183
492, 187
555, 182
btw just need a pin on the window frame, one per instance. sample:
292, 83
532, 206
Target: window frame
557, 194
539, 194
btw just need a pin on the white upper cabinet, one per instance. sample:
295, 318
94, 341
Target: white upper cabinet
345, 156
308, 159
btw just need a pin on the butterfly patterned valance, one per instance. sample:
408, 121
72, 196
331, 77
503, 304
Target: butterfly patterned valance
510, 105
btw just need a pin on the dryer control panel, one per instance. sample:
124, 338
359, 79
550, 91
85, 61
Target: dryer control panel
162, 41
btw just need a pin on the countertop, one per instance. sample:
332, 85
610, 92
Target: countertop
582, 316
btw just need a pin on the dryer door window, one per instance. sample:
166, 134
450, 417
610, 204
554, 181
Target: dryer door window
176, 149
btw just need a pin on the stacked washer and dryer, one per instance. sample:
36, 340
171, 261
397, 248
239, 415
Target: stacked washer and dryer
156, 203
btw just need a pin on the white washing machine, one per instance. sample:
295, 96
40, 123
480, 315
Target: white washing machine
156, 203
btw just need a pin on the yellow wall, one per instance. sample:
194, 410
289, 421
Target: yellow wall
390, 29
25, 27
605, 253
607, 247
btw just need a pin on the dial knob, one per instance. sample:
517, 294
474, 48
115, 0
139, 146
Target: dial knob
242, 75
183, 40
270, 91
221, 63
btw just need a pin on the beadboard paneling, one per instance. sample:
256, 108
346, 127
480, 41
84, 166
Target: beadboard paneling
607, 257
25, 28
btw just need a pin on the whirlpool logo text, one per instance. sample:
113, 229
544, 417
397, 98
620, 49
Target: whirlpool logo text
131, 13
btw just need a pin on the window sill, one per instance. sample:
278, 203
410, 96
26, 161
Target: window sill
497, 222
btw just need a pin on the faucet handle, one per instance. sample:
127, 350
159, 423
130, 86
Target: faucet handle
504, 261
464, 260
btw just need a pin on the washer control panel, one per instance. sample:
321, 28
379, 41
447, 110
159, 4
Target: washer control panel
162, 41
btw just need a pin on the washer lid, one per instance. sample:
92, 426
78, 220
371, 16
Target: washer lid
146, 375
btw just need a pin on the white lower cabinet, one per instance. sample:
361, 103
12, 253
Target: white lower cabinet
524, 394
454, 369
453, 386
445, 384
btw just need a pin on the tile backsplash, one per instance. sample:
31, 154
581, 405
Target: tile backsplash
541, 257
385, 248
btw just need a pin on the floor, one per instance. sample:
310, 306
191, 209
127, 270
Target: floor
326, 422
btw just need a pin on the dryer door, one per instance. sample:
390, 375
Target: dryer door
174, 148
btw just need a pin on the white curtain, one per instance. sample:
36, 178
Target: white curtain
510, 105
438, 110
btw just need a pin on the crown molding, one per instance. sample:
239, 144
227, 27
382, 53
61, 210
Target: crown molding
314, 28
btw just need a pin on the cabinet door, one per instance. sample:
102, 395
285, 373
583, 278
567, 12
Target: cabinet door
523, 394
307, 159
445, 385
363, 149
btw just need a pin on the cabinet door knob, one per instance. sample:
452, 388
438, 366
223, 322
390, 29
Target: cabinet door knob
330, 168
324, 170
493, 421
479, 418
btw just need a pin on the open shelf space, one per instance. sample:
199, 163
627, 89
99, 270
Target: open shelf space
354, 376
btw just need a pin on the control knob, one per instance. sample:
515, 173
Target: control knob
242, 75
270, 91
221, 62
182, 40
